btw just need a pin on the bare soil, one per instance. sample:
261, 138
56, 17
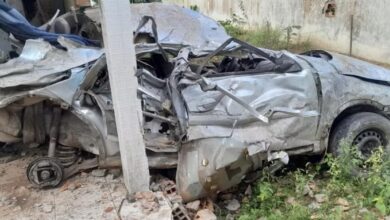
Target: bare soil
81, 197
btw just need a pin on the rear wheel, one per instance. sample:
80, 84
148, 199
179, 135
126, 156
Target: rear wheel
45, 172
366, 131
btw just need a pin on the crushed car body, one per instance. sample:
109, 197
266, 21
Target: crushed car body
215, 108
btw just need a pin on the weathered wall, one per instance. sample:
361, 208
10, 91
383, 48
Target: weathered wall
370, 35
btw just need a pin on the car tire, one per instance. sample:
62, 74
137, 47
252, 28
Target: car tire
365, 130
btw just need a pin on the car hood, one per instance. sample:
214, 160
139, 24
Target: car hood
350, 66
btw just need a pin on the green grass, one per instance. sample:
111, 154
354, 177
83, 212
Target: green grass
349, 196
265, 36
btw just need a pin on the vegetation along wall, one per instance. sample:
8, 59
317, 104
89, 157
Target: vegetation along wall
357, 27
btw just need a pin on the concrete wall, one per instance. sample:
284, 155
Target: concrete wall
371, 25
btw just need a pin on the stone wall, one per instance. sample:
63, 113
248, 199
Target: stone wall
370, 32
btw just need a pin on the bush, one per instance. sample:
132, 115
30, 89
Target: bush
264, 36
369, 190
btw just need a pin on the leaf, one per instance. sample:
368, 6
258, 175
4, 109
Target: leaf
380, 205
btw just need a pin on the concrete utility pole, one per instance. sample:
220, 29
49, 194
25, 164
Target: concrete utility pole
121, 63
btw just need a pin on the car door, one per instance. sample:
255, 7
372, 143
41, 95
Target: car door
287, 101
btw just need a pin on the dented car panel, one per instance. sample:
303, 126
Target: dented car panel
340, 92
221, 130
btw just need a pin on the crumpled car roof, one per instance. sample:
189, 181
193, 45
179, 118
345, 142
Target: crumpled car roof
176, 27
180, 26
41, 64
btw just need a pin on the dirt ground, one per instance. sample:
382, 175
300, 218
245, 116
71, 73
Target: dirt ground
84, 196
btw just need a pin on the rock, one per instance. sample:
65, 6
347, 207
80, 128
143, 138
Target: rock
193, 206
22, 190
110, 177
315, 216
115, 173
47, 208
343, 208
233, 205
226, 196
148, 200
154, 187
363, 210
147, 195
9, 202
205, 214
314, 205
99, 172
6, 201
313, 186
135, 210
307, 191
74, 186
229, 217
291, 200
109, 209
17, 209
208, 204
320, 198
387, 217
248, 191
245, 199
342, 202
3, 198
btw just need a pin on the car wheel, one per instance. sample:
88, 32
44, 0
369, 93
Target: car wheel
366, 131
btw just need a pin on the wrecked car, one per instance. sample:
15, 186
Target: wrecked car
214, 108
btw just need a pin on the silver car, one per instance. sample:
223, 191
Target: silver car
214, 108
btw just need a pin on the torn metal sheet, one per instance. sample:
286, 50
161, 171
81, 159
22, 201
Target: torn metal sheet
199, 32
264, 93
42, 64
176, 27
